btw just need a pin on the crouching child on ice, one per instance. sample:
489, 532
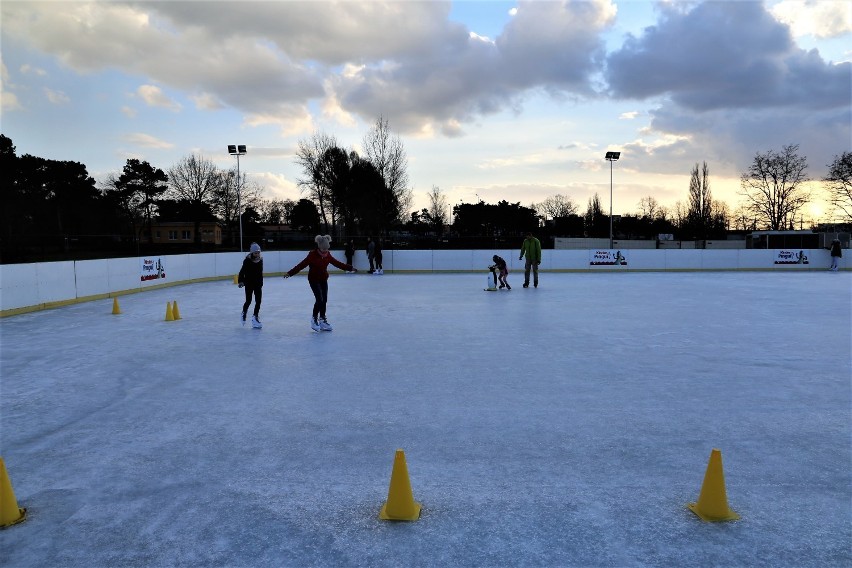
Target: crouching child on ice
251, 277
318, 261
500, 271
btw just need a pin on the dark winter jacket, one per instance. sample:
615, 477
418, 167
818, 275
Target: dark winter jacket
500, 263
318, 271
836, 250
251, 274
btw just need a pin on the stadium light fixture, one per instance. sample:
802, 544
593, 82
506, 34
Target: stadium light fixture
238, 150
611, 157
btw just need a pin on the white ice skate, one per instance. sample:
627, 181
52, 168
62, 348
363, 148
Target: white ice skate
324, 325
315, 324
255, 323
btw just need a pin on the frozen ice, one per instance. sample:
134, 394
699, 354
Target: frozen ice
567, 425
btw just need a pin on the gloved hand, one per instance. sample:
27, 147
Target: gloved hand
520, 258
241, 284
538, 263
286, 276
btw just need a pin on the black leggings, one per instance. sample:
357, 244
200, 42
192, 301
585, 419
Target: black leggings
258, 294
320, 290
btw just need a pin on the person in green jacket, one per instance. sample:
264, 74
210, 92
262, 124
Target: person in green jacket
532, 250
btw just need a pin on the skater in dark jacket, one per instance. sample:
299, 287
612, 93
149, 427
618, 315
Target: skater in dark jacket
836, 254
377, 255
500, 271
318, 261
350, 252
251, 277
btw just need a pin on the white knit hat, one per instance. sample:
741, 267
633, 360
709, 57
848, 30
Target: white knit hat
254, 247
323, 241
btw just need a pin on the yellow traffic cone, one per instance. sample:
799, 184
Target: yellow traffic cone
175, 310
115, 309
400, 505
712, 502
236, 280
169, 315
10, 514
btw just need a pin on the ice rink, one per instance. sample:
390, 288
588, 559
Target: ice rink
567, 425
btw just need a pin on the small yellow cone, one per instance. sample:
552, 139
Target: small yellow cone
236, 280
10, 514
712, 502
115, 309
175, 310
400, 505
169, 315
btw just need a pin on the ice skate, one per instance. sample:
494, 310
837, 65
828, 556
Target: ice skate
324, 325
315, 324
243, 318
255, 323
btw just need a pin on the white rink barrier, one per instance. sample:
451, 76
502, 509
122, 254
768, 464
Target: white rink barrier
29, 287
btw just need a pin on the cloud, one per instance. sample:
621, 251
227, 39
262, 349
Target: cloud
629, 115
206, 101
725, 55
56, 97
154, 96
28, 69
8, 100
147, 141
822, 18
128, 112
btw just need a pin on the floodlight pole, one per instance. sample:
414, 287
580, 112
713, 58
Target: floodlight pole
611, 157
238, 150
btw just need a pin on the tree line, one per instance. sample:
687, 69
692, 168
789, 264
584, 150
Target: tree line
57, 206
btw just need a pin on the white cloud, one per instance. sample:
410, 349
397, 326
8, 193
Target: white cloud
128, 112
27, 69
822, 18
154, 96
629, 115
56, 97
206, 101
8, 100
147, 141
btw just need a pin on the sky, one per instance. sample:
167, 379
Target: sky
492, 101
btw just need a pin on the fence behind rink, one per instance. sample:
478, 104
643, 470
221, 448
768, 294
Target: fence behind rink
30, 287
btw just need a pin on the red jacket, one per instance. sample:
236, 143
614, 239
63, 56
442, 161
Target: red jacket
318, 266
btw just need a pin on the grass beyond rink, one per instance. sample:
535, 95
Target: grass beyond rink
567, 425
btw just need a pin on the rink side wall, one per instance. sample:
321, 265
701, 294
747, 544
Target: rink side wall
30, 287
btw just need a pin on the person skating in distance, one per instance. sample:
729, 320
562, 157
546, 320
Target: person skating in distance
532, 250
500, 270
318, 261
251, 277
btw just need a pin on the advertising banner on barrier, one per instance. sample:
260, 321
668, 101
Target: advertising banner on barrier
791, 257
153, 269
607, 258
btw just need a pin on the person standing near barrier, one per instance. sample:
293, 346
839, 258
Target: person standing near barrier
350, 252
531, 248
251, 277
318, 261
371, 248
377, 256
836, 254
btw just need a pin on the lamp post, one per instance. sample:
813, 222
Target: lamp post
611, 157
238, 150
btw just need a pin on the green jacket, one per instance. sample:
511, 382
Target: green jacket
531, 249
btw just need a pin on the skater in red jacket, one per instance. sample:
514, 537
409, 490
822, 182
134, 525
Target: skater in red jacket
318, 261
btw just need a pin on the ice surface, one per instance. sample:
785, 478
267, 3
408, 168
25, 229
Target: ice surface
567, 425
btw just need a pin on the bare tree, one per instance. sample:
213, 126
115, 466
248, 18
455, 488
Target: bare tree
439, 209
308, 155
700, 202
838, 182
556, 206
232, 196
743, 219
195, 179
774, 186
650, 208
387, 154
